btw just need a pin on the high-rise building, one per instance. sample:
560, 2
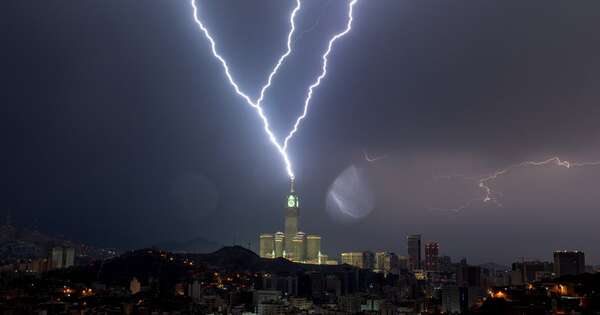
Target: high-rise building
279, 244
363, 260
61, 257
293, 244
468, 276
403, 262
313, 247
445, 263
39, 265
528, 271
569, 263
267, 246
56, 257
299, 247
68, 257
386, 262
292, 215
353, 259
432, 250
369, 260
453, 297
380, 260
414, 251
459, 300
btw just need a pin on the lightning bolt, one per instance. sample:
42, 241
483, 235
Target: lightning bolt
255, 104
489, 194
484, 183
317, 82
282, 149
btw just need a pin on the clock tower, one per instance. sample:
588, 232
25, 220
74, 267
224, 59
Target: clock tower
292, 213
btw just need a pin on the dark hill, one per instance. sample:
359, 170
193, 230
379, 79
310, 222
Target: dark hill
168, 267
230, 257
240, 258
196, 245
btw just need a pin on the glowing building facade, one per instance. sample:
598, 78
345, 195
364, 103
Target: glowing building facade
363, 260
279, 245
386, 262
267, 245
293, 244
299, 247
313, 247
61, 257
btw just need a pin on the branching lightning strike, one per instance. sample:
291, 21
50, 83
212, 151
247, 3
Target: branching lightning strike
317, 82
282, 149
255, 105
489, 195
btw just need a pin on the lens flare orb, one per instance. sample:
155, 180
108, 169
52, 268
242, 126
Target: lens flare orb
350, 198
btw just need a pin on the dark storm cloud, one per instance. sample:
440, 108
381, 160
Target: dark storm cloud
106, 106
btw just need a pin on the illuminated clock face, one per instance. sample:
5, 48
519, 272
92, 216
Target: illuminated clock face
291, 201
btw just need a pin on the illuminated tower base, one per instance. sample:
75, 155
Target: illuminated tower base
293, 244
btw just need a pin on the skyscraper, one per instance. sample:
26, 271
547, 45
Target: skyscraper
61, 257
386, 262
313, 247
569, 263
299, 249
68, 257
528, 271
279, 243
403, 262
414, 251
267, 246
56, 257
293, 244
363, 260
292, 214
432, 250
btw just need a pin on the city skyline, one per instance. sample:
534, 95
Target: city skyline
120, 129
351, 157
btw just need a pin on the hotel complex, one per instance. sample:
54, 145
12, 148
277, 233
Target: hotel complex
293, 244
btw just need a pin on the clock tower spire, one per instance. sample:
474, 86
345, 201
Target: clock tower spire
292, 182
292, 216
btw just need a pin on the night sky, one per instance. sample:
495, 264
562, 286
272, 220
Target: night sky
119, 129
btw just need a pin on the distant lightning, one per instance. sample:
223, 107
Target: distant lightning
373, 159
317, 82
282, 149
489, 195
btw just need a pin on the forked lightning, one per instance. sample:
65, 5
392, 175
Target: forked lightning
489, 195
256, 104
